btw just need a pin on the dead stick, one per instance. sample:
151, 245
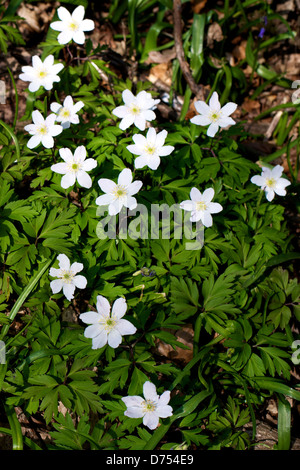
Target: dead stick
196, 89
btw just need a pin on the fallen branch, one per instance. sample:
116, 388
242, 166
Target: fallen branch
196, 89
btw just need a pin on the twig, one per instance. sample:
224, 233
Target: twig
196, 89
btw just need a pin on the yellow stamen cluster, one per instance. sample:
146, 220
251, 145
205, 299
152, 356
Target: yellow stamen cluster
270, 182
120, 191
201, 206
148, 405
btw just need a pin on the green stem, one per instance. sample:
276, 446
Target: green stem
258, 204
198, 326
28, 289
16, 98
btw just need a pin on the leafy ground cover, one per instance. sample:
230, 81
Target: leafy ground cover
149, 199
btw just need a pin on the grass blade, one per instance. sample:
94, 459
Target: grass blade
284, 424
15, 426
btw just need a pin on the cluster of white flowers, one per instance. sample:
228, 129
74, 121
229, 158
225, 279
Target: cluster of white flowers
106, 326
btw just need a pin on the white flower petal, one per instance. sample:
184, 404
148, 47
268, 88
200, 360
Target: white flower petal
187, 205
68, 180
164, 411
125, 177
114, 338
55, 107
207, 219
93, 330
115, 207
130, 203
104, 200
212, 130
280, 191
151, 420
34, 141
107, 186
277, 171
133, 401
195, 195
166, 150
79, 281
34, 86
140, 122
57, 26
56, 130
134, 187
139, 140
160, 138
120, 111
228, 108
61, 168
134, 412
78, 106
63, 14
64, 262
68, 290
215, 207
89, 317
140, 162
149, 391
135, 149
37, 117
200, 120
64, 37
202, 107
208, 195
164, 398
258, 180
103, 305
56, 286
125, 327
270, 194
128, 97
214, 103
78, 14
127, 121
99, 341
47, 141
54, 272
66, 155
79, 37
119, 308
84, 179
87, 25
226, 121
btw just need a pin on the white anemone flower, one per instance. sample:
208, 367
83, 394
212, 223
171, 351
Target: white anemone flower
201, 206
68, 278
136, 109
75, 167
271, 182
150, 148
150, 408
72, 26
119, 194
107, 327
213, 114
42, 130
66, 113
41, 73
